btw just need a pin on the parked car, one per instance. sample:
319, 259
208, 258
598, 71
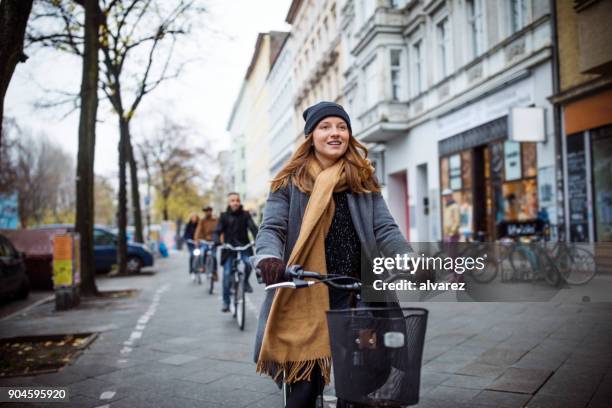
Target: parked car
105, 249
14, 282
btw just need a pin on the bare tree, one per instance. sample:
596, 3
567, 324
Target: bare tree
85, 182
172, 160
13, 21
138, 39
8, 157
43, 178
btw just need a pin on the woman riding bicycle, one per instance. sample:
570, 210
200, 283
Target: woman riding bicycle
324, 212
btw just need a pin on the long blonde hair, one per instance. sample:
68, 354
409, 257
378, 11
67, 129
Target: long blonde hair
358, 169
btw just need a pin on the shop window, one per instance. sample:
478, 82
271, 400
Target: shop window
466, 212
497, 162
444, 174
602, 183
454, 164
512, 160
466, 169
520, 200
529, 160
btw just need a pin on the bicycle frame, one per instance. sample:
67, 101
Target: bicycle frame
238, 275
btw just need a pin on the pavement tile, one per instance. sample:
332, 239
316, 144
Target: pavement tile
553, 401
94, 388
205, 376
501, 399
454, 394
89, 369
179, 359
482, 370
520, 380
500, 356
578, 381
467, 381
257, 384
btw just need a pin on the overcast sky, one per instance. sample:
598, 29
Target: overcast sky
203, 95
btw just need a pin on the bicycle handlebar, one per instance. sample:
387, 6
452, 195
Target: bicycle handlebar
241, 248
297, 274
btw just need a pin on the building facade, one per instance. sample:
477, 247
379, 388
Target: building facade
249, 125
584, 100
283, 128
437, 84
315, 41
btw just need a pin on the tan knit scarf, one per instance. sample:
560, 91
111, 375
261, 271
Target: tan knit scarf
296, 337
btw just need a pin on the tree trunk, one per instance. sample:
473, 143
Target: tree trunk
13, 21
138, 236
85, 209
165, 210
122, 204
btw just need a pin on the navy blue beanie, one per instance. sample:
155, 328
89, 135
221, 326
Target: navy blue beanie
316, 113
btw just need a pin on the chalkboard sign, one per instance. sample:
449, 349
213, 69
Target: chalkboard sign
577, 188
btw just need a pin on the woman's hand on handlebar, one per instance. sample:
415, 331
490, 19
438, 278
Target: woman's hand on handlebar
272, 270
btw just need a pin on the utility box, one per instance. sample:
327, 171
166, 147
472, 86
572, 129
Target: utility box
66, 271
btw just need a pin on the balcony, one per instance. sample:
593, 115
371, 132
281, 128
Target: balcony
383, 21
383, 122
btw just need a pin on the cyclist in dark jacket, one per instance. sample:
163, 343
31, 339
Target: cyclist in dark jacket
234, 224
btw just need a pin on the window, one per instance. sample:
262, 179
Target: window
396, 74
475, 21
103, 238
518, 15
443, 39
370, 83
243, 176
417, 67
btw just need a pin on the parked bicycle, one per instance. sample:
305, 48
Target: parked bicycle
376, 351
238, 279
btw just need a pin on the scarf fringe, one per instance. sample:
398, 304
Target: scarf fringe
295, 370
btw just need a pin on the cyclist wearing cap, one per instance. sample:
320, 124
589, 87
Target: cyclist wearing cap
324, 212
205, 229
206, 226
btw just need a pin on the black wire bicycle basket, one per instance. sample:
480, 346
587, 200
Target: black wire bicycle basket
377, 354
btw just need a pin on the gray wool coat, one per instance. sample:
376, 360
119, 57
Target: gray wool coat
282, 219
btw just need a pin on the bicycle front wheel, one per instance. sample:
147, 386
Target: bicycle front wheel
240, 306
210, 272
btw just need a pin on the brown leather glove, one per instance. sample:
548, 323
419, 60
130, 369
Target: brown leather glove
272, 270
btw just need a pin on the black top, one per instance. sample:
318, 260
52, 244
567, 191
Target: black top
342, 249
190, 228
235, 227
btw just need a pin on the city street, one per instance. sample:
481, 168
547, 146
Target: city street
170, 346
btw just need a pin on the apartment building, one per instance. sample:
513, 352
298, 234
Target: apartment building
315, 41
584, 101
283, 127
249, 124
455, 92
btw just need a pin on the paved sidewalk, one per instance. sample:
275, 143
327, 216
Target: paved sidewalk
170, 346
